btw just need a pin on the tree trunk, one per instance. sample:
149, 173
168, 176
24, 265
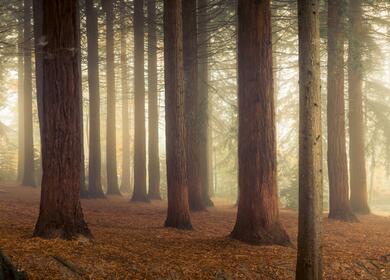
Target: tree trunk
154, 158
309, 260
357, 161
29, 169
125, 183
95, 189
258, 214
20, 95
178, 215
139, 192
8, 271
205, 153
192, 117
112, 176
60, 214
339, 207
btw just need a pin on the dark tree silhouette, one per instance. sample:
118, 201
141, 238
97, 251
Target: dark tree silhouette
139, 191
192, 116
154, 158
94, 171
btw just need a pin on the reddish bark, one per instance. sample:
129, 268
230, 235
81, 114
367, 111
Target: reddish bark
60, 212
258, 214
178, 215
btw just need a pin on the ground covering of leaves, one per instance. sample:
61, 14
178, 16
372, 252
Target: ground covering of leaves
130, 243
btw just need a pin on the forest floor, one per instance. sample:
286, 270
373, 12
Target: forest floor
130, 243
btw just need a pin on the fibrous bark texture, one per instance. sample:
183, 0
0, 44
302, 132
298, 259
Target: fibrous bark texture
178, 215
309, 260
258, 214
60, 214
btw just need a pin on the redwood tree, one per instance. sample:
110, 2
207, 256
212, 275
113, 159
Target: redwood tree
339, 207
178, 215
258, 214
20, 94
309, 260
204, 136
190, 54
94, 171
139, 191
125, 183
111, 163
28, 178
154, 158
357, 160
60, 214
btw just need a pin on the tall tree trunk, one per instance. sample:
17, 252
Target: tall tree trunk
29, 169
339, 207
83, 186
154, 158
192, 117
20, 95
309, 260
357, 161
258, 214
139, 192
125, 183
60, 214
112, 176
95, 189
178, 215
205, 153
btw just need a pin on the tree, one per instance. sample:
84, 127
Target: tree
139, 192
112, 176
190, 54
60, 214
258, 214
204, 110
339, 207
28, 168
178, 215
94, 170
309, 260
20, 95
154, 158
125, 183
357, 161
8, 269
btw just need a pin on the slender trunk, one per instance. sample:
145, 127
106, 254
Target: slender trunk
112, 177
29, 169
178, 215
357, 161
139, 192
20, 96
339, 207
154, 158
205, 153
258, 214
94, 170
309, 260
60, 213
192, 106
125, 184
